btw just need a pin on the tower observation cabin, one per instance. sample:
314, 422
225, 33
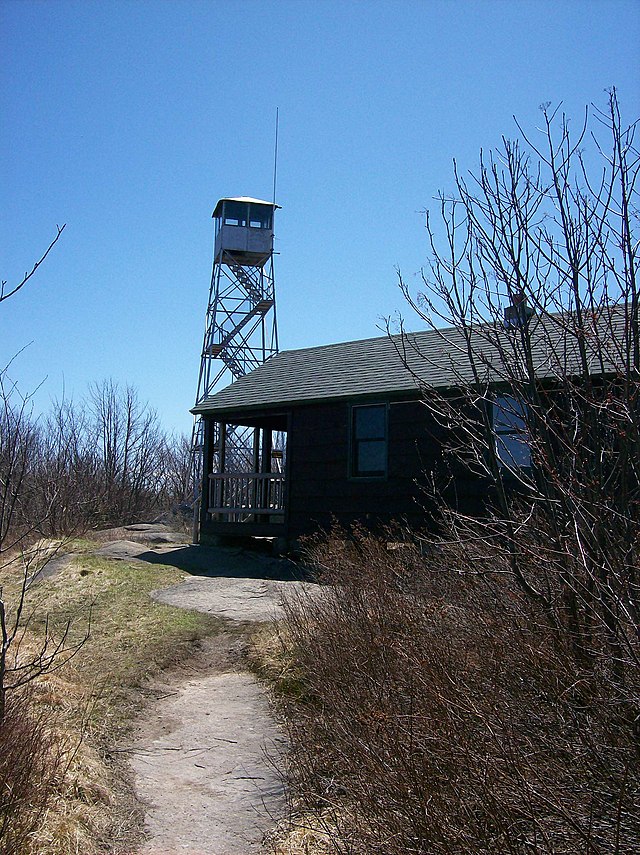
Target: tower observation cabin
244, 231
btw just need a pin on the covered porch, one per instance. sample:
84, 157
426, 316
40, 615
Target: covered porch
244, 489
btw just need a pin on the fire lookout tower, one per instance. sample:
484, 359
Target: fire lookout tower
241, 331
241, 328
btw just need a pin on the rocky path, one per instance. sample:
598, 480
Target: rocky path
204, 762
205, 755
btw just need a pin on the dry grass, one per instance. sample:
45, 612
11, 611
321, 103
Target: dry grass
31, 766
270, 655
302, 835
90, 702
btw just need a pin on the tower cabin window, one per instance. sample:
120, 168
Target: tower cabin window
247, 214
369, 441
511, 434
260, 216
235, 213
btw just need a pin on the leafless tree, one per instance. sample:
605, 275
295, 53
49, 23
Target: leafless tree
477, 689
19, 441
547, 407
178, 470
64, 489
104, 461
130, 443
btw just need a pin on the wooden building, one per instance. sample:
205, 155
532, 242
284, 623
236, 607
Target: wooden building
341, 431
338, 432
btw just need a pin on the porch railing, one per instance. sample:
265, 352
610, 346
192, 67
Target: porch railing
240, 496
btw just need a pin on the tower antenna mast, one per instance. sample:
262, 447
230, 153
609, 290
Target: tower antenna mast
275, 157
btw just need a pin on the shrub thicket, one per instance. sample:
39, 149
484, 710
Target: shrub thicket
485, 697
441, 713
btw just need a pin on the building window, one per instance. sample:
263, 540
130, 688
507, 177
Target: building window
512, 436
369, 441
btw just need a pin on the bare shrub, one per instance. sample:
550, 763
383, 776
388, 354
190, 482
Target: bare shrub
485, 696
74, 470
32, 758
442, 715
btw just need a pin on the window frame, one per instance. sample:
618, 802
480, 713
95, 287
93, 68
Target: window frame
516, 411
241, 208
355, 443
260, 217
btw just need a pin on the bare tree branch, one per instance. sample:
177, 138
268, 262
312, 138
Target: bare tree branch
4, 295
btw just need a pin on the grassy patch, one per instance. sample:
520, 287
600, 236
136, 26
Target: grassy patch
271, 657
131, 636
91, 700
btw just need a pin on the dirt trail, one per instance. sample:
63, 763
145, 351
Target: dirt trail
205, 755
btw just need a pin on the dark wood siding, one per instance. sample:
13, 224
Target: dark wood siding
321, 489
318, 468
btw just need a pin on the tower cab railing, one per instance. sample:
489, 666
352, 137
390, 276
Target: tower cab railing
243, 496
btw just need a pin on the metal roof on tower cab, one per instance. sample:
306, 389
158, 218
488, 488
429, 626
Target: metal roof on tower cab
217, 211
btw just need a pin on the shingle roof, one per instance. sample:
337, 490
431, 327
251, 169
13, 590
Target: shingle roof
376, 366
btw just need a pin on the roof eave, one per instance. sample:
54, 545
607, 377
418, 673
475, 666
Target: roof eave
395, 394
217, 211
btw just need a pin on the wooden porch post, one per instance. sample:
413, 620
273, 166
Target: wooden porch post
265, 467
207, 465
256, 491
267, 442
222, 460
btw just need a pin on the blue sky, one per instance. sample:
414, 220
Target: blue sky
128, 120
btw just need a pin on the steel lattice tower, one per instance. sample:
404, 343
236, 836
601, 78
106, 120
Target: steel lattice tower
241, 327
